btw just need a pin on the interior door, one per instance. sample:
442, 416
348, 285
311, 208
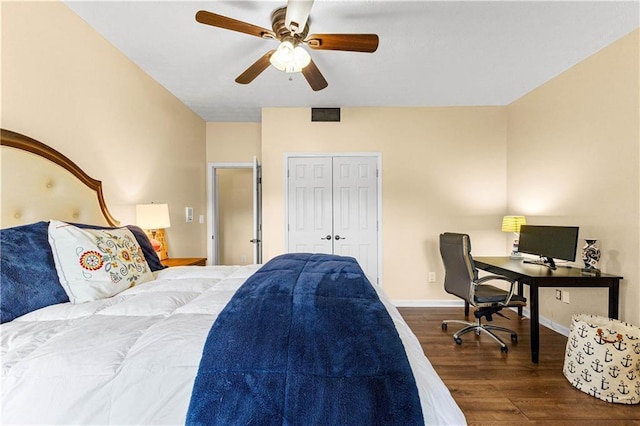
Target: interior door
251, 216
257, 212
310, 205
355, 203
333, 207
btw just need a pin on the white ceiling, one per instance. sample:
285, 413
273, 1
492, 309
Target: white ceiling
443, 53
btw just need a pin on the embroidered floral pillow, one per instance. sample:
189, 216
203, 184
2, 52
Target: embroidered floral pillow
96, 263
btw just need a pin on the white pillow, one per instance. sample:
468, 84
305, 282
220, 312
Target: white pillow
94, 264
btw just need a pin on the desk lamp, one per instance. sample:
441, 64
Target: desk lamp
153, 219
512, 224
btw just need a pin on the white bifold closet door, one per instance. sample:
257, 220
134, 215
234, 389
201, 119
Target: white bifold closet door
333, 208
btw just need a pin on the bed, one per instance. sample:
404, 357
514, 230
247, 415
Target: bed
303, 339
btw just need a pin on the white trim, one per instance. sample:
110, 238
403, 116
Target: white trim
426, 303
377, 155
247, 165
552, 325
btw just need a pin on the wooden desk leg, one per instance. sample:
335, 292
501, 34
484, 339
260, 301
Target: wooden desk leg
534, 321
521, 293
614, 290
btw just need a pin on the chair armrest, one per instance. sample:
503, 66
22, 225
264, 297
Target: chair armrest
512, 289
486, 278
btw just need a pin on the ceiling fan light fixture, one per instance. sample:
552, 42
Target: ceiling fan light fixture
291, 27
301, 57
290, 58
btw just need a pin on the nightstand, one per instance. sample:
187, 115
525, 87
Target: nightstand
185, 261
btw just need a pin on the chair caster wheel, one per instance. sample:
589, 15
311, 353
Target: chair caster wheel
458, 340
444, 326
504, 349
514, 338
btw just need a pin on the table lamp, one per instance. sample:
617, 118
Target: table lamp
153, 219
512, 224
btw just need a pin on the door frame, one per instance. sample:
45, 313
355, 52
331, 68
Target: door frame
378, 157
212, 207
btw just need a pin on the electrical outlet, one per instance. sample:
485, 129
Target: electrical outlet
558, 294
565, 296
432, 277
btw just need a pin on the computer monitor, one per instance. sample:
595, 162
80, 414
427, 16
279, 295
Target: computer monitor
549, 243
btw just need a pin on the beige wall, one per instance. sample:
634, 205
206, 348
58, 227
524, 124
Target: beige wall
443, 169
574, 159
64, 85
235, 198
233, 142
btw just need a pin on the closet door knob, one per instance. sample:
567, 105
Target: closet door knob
338, 237
328, 237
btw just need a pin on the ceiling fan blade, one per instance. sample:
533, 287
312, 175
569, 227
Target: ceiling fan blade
314, 76
220, 21
254, 70
347, 42
297, 15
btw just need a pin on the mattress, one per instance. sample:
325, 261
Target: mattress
133, 358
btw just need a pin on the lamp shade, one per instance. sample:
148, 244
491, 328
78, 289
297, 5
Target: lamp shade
152, 216
512, 223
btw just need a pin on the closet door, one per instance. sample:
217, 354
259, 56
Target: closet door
355, 208
310, 205
332, 208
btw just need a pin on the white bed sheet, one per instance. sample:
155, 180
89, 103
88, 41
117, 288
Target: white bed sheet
132, 359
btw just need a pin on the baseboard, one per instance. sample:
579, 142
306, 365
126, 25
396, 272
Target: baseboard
426, 303
558, 328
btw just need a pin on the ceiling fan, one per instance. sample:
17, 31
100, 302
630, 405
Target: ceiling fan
291, 28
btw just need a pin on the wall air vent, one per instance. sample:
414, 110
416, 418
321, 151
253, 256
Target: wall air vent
325, 114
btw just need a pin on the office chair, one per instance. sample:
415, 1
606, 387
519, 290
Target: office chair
461, 279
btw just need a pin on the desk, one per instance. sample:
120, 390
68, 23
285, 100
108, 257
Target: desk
536, 276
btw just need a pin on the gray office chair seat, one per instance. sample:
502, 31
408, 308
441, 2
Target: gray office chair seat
491, 294
461, 279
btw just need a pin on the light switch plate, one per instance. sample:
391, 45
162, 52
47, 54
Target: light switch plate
189, 214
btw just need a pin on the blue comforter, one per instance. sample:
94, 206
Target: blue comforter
305, 341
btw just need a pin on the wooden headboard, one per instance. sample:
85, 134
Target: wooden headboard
40, 183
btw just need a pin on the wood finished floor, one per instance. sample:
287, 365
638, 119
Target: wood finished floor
493, 388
